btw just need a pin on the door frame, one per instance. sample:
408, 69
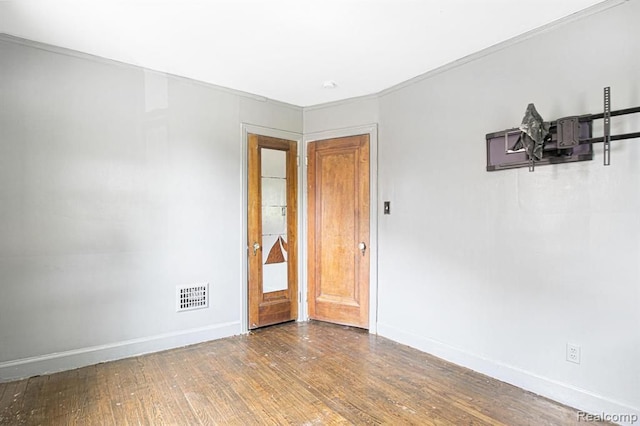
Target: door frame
245, 129
372, 131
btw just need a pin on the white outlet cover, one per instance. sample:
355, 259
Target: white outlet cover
573, 353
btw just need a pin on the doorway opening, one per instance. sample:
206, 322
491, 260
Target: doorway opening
303, 297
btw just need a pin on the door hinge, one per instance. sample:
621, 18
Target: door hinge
298, 161
306, 161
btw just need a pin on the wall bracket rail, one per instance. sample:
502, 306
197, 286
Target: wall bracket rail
569, 139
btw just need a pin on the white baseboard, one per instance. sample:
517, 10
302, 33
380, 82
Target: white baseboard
68, 360
565, 394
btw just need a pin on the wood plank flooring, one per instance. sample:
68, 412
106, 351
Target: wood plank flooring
296, 373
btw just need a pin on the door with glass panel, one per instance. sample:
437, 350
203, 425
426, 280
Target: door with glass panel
272, 230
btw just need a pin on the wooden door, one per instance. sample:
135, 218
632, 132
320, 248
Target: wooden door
338, 234
272, 230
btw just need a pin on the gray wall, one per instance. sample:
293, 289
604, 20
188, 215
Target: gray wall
116, 185
500, 270
339, 115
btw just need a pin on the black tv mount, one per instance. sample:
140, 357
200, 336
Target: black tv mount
568, 139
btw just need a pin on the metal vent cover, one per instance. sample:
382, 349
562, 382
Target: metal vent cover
190, 297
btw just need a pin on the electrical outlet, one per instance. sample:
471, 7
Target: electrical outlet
573, 353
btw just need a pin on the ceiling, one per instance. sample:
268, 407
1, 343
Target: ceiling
283, 49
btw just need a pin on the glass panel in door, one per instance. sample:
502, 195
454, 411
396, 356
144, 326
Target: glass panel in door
274, 220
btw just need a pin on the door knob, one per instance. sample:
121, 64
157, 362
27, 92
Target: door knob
256, 247
362, 247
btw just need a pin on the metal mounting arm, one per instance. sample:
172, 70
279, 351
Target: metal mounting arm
570, 139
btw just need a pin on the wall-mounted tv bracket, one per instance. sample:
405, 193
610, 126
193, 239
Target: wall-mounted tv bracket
568, 139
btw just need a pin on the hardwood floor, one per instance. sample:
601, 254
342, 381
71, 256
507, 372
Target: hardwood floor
297, 373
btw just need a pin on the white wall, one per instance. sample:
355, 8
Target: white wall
116, 185
498, 271
341, 115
